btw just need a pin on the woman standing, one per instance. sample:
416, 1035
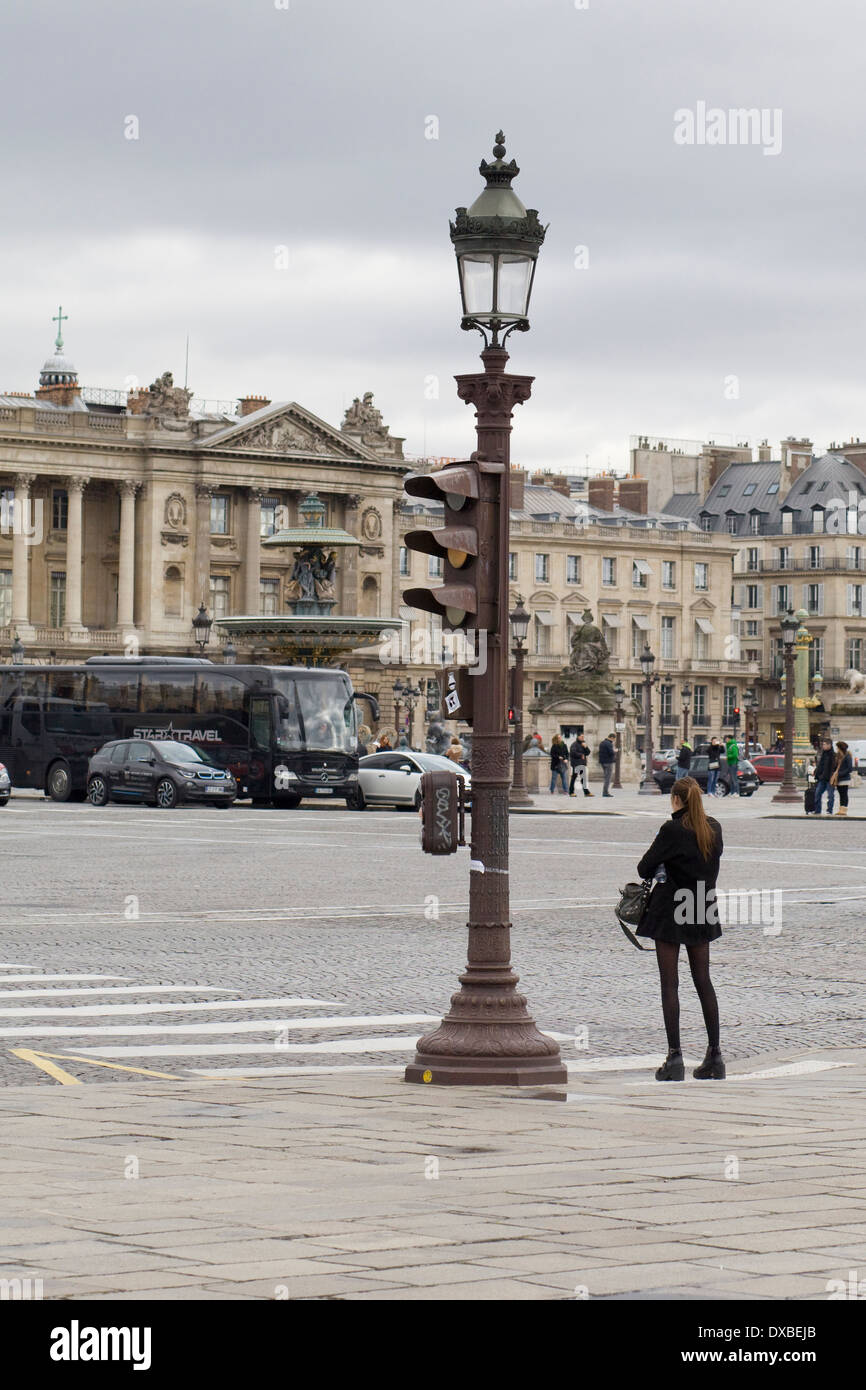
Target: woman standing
558, 762
841, 777
683, 911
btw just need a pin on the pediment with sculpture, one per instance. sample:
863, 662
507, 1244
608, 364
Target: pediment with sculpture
289, 432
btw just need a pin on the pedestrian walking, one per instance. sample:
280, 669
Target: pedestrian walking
578, 754
383, 744
558, 762
841, 777
824, 769
683, 911
714, 762
732, 758
607, 758
684, 759
455, 750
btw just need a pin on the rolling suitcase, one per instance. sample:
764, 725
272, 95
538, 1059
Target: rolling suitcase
809, 800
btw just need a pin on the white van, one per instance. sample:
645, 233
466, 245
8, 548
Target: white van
857, 749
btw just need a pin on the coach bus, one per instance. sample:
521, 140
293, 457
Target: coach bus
286, 732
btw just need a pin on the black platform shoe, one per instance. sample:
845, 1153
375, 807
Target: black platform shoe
712, 1068
672, 1068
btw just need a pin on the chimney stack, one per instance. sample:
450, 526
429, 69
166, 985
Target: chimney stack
249, 404
633, 493
517, 486
600, 493
796, 457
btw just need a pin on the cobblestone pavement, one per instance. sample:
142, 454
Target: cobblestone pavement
250, 940
359, 1187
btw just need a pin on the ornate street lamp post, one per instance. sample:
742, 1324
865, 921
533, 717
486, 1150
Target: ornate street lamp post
649, 786
397, 688
411, 696
619, 692
750, 705
788, 793
686, 695
488, 1037
519, 620
17, 650
201, 626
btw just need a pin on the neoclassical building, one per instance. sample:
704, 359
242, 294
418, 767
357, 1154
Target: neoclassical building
121, 513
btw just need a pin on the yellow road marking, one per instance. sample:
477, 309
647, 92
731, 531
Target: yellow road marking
38, 1060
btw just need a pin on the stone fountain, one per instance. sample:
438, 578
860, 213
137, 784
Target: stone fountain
310, 634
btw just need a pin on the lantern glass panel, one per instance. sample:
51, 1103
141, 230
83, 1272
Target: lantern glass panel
477, 275
512, 295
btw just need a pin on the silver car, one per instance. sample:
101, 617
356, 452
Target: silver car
394, 778
5, 784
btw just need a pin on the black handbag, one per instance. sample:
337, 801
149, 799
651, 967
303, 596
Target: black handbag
631, 908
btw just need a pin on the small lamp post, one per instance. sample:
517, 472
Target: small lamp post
686, 695
411, 696
619, 692
201, 626
397, 689
519, 621
649, 786
788, 793
750, 705
16, 651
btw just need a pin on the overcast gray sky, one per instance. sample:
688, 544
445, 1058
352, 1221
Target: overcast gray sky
305, 127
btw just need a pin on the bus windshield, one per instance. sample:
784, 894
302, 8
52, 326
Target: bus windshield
317, 714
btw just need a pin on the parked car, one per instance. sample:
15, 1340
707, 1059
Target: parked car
663, 757
770, 767
160, 771
5, 784
394, 779
748, 777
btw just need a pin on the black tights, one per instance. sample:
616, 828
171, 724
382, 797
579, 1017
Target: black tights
667, 955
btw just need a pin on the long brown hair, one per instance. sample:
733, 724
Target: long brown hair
691, 796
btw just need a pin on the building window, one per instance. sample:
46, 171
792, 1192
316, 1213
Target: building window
668, 634
752, 628
854, 652
815, 557
610, 634
270, 507
818, 519
732, 523
57, 608
729, 704
702, 575
542, 633
854, 557
608, 571
816, 655
773, 488
752, 562
706, 522
666, 702
784, 556
669, 574
59, 509
638, 693
172, 590
5, 598
749, 489
434, 567
782, 593
539, 688
572, 569
542, 569
219, 515
269, 597
855, 601
220, 593
512, 565
753, 599
755, 523
699, 705
702, 645
814, 598
404, 561
638, 639
777, 657
640, 572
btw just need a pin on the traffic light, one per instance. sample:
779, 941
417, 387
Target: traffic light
736, 719
511, 714
467, 542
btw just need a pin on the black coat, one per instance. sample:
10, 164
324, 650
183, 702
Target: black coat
558, 755
684, 758
667, 917
825, 765
606, 752
845, 768
578, 753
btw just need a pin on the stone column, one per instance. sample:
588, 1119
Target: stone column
75, 491
20, 551
126, 576
203, 494
252, 558
349, 558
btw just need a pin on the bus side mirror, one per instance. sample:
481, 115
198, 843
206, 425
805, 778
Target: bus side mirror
372, 702
442, 812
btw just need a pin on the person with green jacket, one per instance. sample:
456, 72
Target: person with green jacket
732, 755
